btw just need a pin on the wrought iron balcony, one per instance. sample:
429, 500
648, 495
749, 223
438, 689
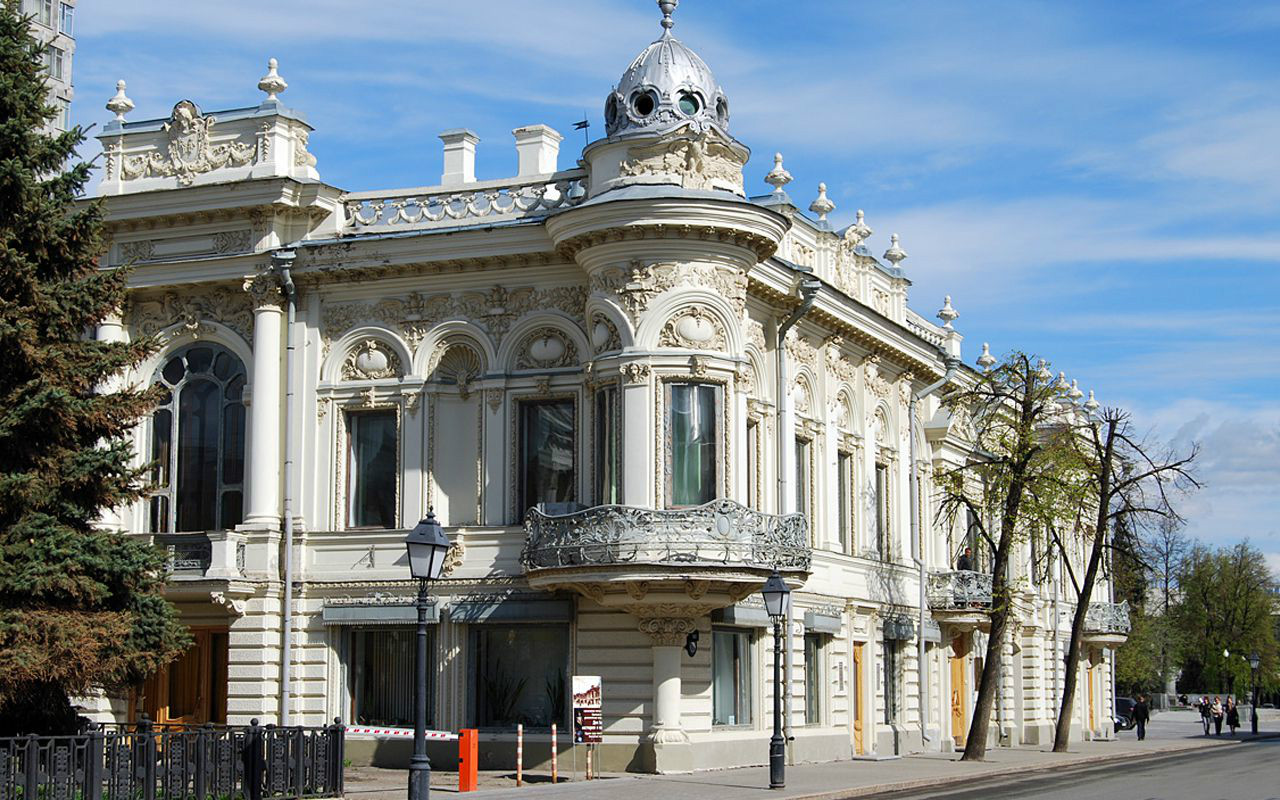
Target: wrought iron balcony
203, 554
1107, 619
720, 533
481, 201
959, 590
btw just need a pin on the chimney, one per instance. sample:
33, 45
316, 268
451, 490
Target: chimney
459, 156
537, 147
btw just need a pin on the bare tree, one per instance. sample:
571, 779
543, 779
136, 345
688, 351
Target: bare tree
1129, 478
1166, 547
1012, 484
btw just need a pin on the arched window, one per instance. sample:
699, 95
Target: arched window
197, 442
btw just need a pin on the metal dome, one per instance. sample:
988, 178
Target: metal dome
666, 86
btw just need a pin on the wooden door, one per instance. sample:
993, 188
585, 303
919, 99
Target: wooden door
959, 689
855, 692
192, 689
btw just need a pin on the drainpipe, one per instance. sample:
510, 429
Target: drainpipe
282, 260
809, 287
917, 539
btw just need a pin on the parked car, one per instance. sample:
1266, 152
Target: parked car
1124, 713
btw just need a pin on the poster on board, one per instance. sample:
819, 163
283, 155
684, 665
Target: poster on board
588, 700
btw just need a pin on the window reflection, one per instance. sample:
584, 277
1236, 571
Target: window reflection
546, 453
692, 455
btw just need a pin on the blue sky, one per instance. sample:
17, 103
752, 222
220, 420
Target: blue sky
1096, 182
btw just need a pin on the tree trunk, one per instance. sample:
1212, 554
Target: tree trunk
975, 746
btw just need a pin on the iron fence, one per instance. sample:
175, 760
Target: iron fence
169, 762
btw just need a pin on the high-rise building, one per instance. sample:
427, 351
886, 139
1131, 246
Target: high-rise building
53, 25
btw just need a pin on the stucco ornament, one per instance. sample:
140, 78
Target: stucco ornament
188, 314
697, 160
635, 285
875, 381
694, 329
370, 360
190, 150
635, 372
604, 334
546, 347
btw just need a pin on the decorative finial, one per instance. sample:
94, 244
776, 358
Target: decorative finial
1075, 394
120, 104
859, 231
778, 176
986, 360
272, 83
895, 254
1042, 371
822, 206
947, 314
1091, 405
667, 7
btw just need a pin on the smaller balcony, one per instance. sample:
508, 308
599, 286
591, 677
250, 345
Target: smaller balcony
202, 556
1107, 624
706, 556
961, 597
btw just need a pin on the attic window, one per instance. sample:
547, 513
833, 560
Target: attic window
644, 104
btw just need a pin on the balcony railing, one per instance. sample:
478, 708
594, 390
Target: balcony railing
720, 533
1107, 619
203, 553
438, 206
958, 590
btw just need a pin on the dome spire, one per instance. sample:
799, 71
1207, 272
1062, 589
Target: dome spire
667, 7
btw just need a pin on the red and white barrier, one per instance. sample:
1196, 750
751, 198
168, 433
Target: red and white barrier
364, 730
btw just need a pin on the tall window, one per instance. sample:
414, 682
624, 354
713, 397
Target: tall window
730, 677
41, 9
382, 676
691, 457
804, 480
882, 511
844, 503
197, 442
520, 674
812, 678
608, 459
67, 22
891, 657
53, 61
371, 469
547, 453
753, 464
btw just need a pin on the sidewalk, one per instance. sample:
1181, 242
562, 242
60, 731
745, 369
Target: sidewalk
1170, 732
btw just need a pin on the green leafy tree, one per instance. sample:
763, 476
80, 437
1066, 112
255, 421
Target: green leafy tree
1017, 481
80, 608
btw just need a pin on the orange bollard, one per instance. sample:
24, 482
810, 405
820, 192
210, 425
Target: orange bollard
555, 773
519, 753
468, 759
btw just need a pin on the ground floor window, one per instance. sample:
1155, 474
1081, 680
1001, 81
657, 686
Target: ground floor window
519, 675
730, 677
813, 645
891, 656
382, 676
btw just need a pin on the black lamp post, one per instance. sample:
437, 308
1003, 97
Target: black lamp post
427, 546
1254, 660
777, 602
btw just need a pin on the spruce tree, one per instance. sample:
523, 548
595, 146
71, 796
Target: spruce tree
80, 608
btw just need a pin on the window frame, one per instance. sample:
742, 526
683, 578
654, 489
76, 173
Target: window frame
347, 450
473, 689
169, 490
66, 19
892, 691
804, 450
606, 443
719, 439
884, 530
746, 679
814, 669
518, 488
846, 498
357, 647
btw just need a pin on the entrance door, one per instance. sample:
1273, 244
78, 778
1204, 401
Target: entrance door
192, 689
959, 688
855, 692
1092, 724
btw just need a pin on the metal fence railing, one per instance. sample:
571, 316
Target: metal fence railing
144, 761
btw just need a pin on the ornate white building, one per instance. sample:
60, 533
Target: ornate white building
628, 389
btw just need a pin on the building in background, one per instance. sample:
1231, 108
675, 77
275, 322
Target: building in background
628, 389
53, 26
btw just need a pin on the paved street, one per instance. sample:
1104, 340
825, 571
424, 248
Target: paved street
1246, 772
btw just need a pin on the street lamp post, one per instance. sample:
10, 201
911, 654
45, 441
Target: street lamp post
1254, 660
777, 602
426, 545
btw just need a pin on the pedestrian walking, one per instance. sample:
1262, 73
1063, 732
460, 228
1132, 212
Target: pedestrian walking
1233, 715
1141, 713
1205, 717
1216, 711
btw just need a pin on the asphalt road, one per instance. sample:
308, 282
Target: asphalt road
1248, 771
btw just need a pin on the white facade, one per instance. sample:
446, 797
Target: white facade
604, 336
53, 27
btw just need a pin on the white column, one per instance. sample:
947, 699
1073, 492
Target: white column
111, 329
263, 501
637, 434
666, 694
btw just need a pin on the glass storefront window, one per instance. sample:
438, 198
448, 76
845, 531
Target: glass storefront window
520, 675
382, 676
730, 677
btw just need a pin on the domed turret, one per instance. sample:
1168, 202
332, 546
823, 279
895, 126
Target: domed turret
668, 85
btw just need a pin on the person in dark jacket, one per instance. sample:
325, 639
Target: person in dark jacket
1233, 715
965, 561
1141, 714
1205, 717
